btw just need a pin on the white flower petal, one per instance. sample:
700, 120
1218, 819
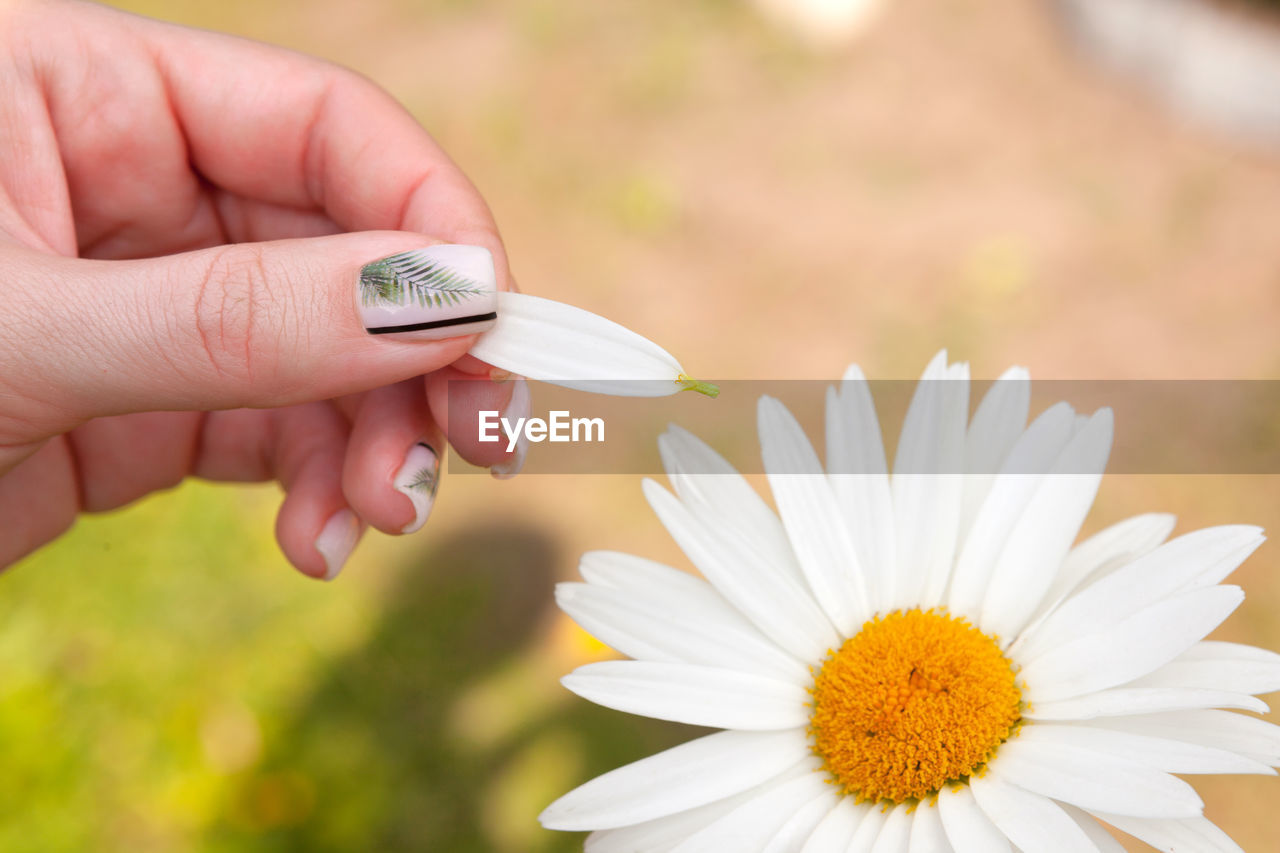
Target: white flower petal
1031, 457
553, 342
1056, 765
996, 426
652, 625
631, 574
928, 483
1040, 541
718, 495
1122, 701
1171, 756
1097, 833
918, 492
1198, 559
1106, 551
927, 835
751, 826
793, 834
1131, 648
683, 777
812, 520
696, 695
772, 601
895, 833
1175, 836
967, 826
859, 478
864, 838
1107, 632
1247, 736
1219, 666
1028, 820
837, 829
661, 834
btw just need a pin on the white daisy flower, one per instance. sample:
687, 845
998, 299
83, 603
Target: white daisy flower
922, 662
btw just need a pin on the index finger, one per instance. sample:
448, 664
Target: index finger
270, 124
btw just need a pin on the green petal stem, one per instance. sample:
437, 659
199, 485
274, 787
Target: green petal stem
690, 384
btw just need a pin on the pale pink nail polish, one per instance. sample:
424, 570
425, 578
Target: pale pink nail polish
337, 540
429, 294
418, 479
519, 407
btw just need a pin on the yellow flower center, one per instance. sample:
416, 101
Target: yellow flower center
915, 700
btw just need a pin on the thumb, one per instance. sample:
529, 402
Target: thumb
251, 324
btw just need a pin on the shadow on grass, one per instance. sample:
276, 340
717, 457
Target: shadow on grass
373, 761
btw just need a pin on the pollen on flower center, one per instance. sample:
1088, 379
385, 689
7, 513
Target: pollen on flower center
913, 701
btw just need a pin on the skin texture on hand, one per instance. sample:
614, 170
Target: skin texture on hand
183, 219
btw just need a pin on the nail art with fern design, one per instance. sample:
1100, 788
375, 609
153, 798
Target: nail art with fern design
428, 294
418, 479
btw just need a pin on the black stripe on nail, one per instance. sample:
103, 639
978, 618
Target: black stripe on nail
429, 447
434, 324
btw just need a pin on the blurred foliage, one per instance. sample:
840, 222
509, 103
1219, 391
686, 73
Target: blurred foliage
171, 685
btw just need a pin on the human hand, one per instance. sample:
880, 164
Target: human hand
177, 287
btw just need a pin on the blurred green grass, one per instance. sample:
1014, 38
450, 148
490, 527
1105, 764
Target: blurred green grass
170, 684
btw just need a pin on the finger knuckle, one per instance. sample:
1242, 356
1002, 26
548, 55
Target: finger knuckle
231, 312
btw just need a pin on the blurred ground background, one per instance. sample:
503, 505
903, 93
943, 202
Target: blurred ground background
957, 178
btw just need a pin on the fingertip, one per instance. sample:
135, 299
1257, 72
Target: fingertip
391, 472
336, 541
418, 479
317, 540
457, 402
316, 527
520, 406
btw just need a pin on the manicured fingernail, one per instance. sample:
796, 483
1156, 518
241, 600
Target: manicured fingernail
418, 479
337, 540
518, 407
429, 294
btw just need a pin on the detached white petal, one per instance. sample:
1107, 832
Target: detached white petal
553, 342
